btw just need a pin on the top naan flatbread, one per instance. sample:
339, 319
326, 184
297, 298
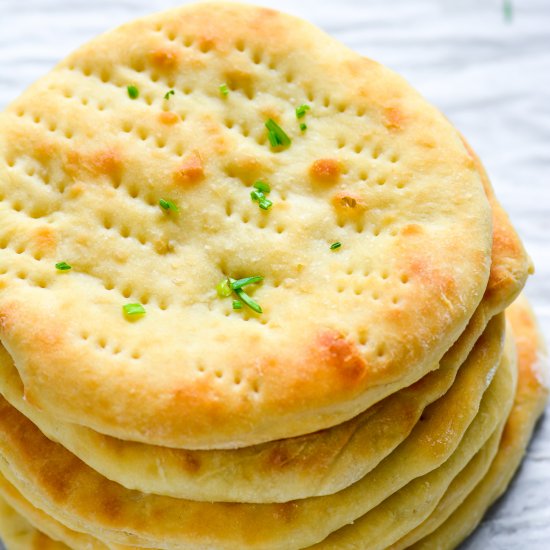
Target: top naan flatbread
83, 166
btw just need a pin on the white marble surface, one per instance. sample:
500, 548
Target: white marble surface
491, 77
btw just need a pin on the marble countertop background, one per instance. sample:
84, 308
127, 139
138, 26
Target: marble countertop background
484, 63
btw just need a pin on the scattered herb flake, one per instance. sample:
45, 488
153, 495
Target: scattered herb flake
303, 126
133, 92
63, 266
224, 90
239, 283
277, 136
265, 204
223, 288
133, 309
302, 110
168, 205
258, 194
228, 285
168, 94
248, 300
335, 245
262, 186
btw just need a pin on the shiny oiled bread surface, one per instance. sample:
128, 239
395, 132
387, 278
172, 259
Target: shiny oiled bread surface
83, 167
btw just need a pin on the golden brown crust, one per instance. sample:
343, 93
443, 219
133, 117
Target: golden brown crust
509, 273
311, 465
405, 508
59, 483
79, 157
531, 398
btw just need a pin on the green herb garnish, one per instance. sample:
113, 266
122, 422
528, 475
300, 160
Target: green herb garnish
133, 309
261, 188
168, 205
335, 245
133, 92
302, 110
239, 283
63, 266
248, 300
277, 136
226, 286
168, 94
265, 204
224, 90
303, 126
224, 289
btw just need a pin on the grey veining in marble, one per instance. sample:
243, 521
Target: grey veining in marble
490, 75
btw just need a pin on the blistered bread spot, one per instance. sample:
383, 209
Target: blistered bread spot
45, 240
325, 170
394, 118
164, 58
278, 457
189, 461
191, 171
103, 162
412, 230
341, 356
285, 511
168, 117
348, 203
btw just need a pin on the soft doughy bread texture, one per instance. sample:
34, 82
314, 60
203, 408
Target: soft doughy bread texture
404, 509
531, 398
57, 482
311, 465
83, 167
387, 519
18, 534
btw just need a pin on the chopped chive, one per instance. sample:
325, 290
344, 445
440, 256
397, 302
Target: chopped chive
224, 90
277, 136
303, 126
133, 309
168, 205
274, 142
248, 300
133, 92
265, 204
223, 288
302, 110
237, 304
239, 283
335, 245
63, 266
168, 94
257, 195
262, 186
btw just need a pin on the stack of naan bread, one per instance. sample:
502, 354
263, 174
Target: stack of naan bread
253, 293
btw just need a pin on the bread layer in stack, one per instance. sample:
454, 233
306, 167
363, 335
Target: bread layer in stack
352, 395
